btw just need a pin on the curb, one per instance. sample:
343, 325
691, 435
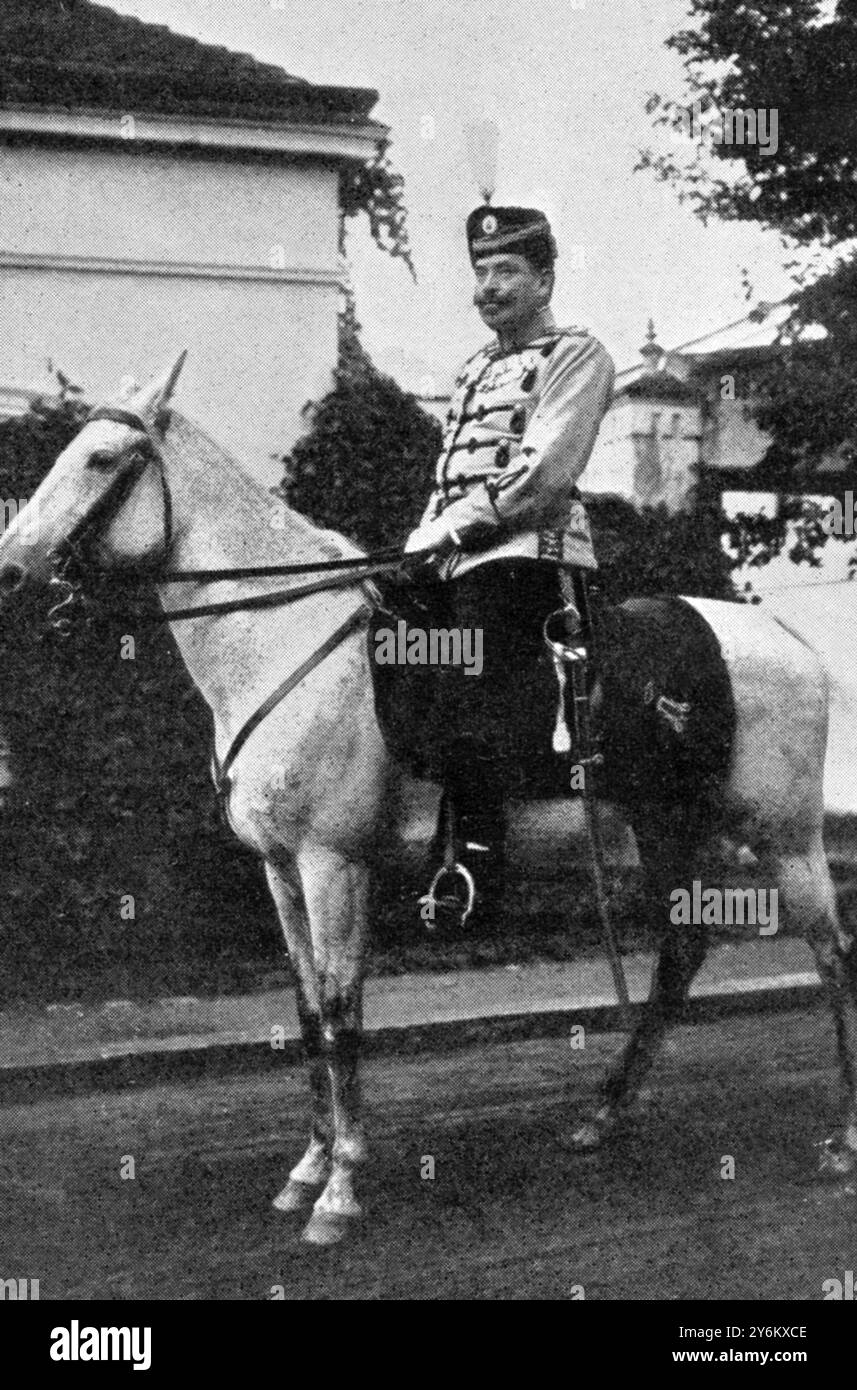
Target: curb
178, 1059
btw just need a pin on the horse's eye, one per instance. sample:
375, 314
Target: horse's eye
102, 460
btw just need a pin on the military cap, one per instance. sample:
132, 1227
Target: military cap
521, 231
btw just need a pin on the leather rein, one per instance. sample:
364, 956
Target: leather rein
340, 573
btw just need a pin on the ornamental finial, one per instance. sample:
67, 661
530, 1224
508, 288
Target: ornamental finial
651, 352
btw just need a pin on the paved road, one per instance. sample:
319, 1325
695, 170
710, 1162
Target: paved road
509, 1214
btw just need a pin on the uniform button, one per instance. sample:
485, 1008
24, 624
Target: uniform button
529, 380
501, 458
471, 446
518, 420
480, 413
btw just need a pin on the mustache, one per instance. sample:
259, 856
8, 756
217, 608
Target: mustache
489, 300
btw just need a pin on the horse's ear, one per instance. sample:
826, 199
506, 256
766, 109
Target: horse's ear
150, 401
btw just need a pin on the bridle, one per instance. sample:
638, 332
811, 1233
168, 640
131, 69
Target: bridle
120, 416
341, 572
70, 567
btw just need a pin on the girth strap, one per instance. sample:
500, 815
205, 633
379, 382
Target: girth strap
221, 774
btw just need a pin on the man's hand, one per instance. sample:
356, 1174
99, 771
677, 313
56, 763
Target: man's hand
433, 538
440, 539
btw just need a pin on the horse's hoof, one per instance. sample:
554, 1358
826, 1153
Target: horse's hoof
327, 1228
836, 1160
295, 1196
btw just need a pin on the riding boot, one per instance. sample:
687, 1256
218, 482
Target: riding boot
482, 832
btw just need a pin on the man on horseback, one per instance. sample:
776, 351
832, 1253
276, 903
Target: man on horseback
505, 525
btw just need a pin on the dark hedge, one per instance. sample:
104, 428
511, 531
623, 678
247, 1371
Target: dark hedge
111, 796
366, 465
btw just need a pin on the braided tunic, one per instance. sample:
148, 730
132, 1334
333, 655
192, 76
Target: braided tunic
520, 429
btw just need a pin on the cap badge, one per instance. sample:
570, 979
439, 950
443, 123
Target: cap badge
489, 224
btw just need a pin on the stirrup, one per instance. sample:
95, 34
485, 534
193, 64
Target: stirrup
450, 903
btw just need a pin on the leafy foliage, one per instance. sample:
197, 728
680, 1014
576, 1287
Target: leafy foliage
376, 189
774, 57
797, 61
366, 465
647, 551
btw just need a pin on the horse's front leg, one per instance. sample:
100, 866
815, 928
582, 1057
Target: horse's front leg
336, 892
314, 1168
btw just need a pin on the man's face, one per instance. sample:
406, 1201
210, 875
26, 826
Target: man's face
510, 291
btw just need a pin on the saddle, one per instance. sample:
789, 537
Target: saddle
662, 708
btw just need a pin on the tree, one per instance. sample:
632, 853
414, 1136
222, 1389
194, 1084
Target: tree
773, 57
787, 60
367, 464
648, 551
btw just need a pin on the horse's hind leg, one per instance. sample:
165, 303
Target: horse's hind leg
808, 898
336, 894
669, 853
313, 1169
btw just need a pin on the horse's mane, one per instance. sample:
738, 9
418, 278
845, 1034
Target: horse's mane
194, 449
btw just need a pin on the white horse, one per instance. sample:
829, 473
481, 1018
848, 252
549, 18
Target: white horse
309, 785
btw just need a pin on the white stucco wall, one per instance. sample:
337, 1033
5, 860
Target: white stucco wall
111, 260
671, 430
734, 439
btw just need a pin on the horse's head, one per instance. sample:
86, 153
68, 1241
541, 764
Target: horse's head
106, 489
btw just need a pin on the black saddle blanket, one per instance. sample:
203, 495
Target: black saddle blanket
462, 676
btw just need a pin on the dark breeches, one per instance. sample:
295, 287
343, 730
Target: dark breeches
508, 602
497, 723
482, 735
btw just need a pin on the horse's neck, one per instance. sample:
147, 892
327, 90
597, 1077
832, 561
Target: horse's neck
222, 519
